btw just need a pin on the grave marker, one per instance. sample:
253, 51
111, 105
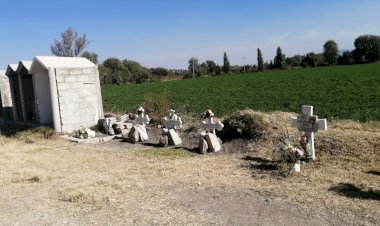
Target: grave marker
172, 123
309, 123
210, 126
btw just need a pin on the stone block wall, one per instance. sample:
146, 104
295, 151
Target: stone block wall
78, 97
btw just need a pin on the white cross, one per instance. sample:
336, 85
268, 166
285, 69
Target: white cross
142, 119
172, 123
309, 123
210, 126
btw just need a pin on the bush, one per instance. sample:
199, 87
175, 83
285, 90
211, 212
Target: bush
247, 124
156, 105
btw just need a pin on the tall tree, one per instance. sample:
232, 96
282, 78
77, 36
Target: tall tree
330, 52
193, 67
279, 60
71, 44
211, 67
93, 57
226, 64
260, 61
367, 48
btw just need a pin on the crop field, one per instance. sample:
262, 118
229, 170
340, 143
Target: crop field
339, 92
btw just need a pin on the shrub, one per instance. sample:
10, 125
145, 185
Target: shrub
156, 105
245, 124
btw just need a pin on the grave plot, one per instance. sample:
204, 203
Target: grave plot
309, 123
169, 132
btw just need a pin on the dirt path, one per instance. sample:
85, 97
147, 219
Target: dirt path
27, 204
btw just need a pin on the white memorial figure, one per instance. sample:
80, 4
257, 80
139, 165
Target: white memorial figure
208, 139
309, 123
138, 132
169, 132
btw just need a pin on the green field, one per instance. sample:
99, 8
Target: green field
342, 92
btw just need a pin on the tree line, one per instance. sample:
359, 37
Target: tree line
116, 71
367, 50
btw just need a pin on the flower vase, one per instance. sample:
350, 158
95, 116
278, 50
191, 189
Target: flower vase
297, 167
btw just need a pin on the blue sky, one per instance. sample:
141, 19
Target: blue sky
168, 33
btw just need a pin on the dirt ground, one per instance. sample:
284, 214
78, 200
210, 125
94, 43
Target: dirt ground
56, 182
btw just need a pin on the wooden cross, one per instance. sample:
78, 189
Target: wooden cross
309, 123
210, 126
172, 123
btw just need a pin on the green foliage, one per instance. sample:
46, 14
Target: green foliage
347, 58
343, 92
294, 61
312, 60
211, 67
226, 64
260, 61
247, 123
279, 60
138, 73
285, 156
113, 71
330, 52
93, 57
367, 48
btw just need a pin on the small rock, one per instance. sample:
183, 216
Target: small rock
202, 146
163, 141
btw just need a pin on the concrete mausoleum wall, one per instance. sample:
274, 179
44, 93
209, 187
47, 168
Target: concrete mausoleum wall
6, 113
78, 97
63, 92
42, 96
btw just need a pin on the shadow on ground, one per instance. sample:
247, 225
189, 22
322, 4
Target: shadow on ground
352, 191
374, 172
259, 163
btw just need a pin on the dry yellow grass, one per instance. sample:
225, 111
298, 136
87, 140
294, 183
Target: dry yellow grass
62, 182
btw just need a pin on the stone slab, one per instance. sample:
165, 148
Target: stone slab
133, 135
202, 145
213, 142
142, 133
174, 138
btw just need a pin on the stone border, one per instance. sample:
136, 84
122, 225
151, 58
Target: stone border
94, 140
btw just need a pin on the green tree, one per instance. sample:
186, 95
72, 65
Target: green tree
211, 67
119, 73
260, 61
193, 69
160, 71
279, 60
330, 52
71, 44
138, 73
312, 60
93, 57
346, 58
294, 61
218, 70
226, 64
367, 48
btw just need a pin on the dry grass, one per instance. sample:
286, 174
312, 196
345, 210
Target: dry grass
85, 184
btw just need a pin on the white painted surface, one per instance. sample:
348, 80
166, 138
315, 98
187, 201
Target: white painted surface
43, 97
307, 110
